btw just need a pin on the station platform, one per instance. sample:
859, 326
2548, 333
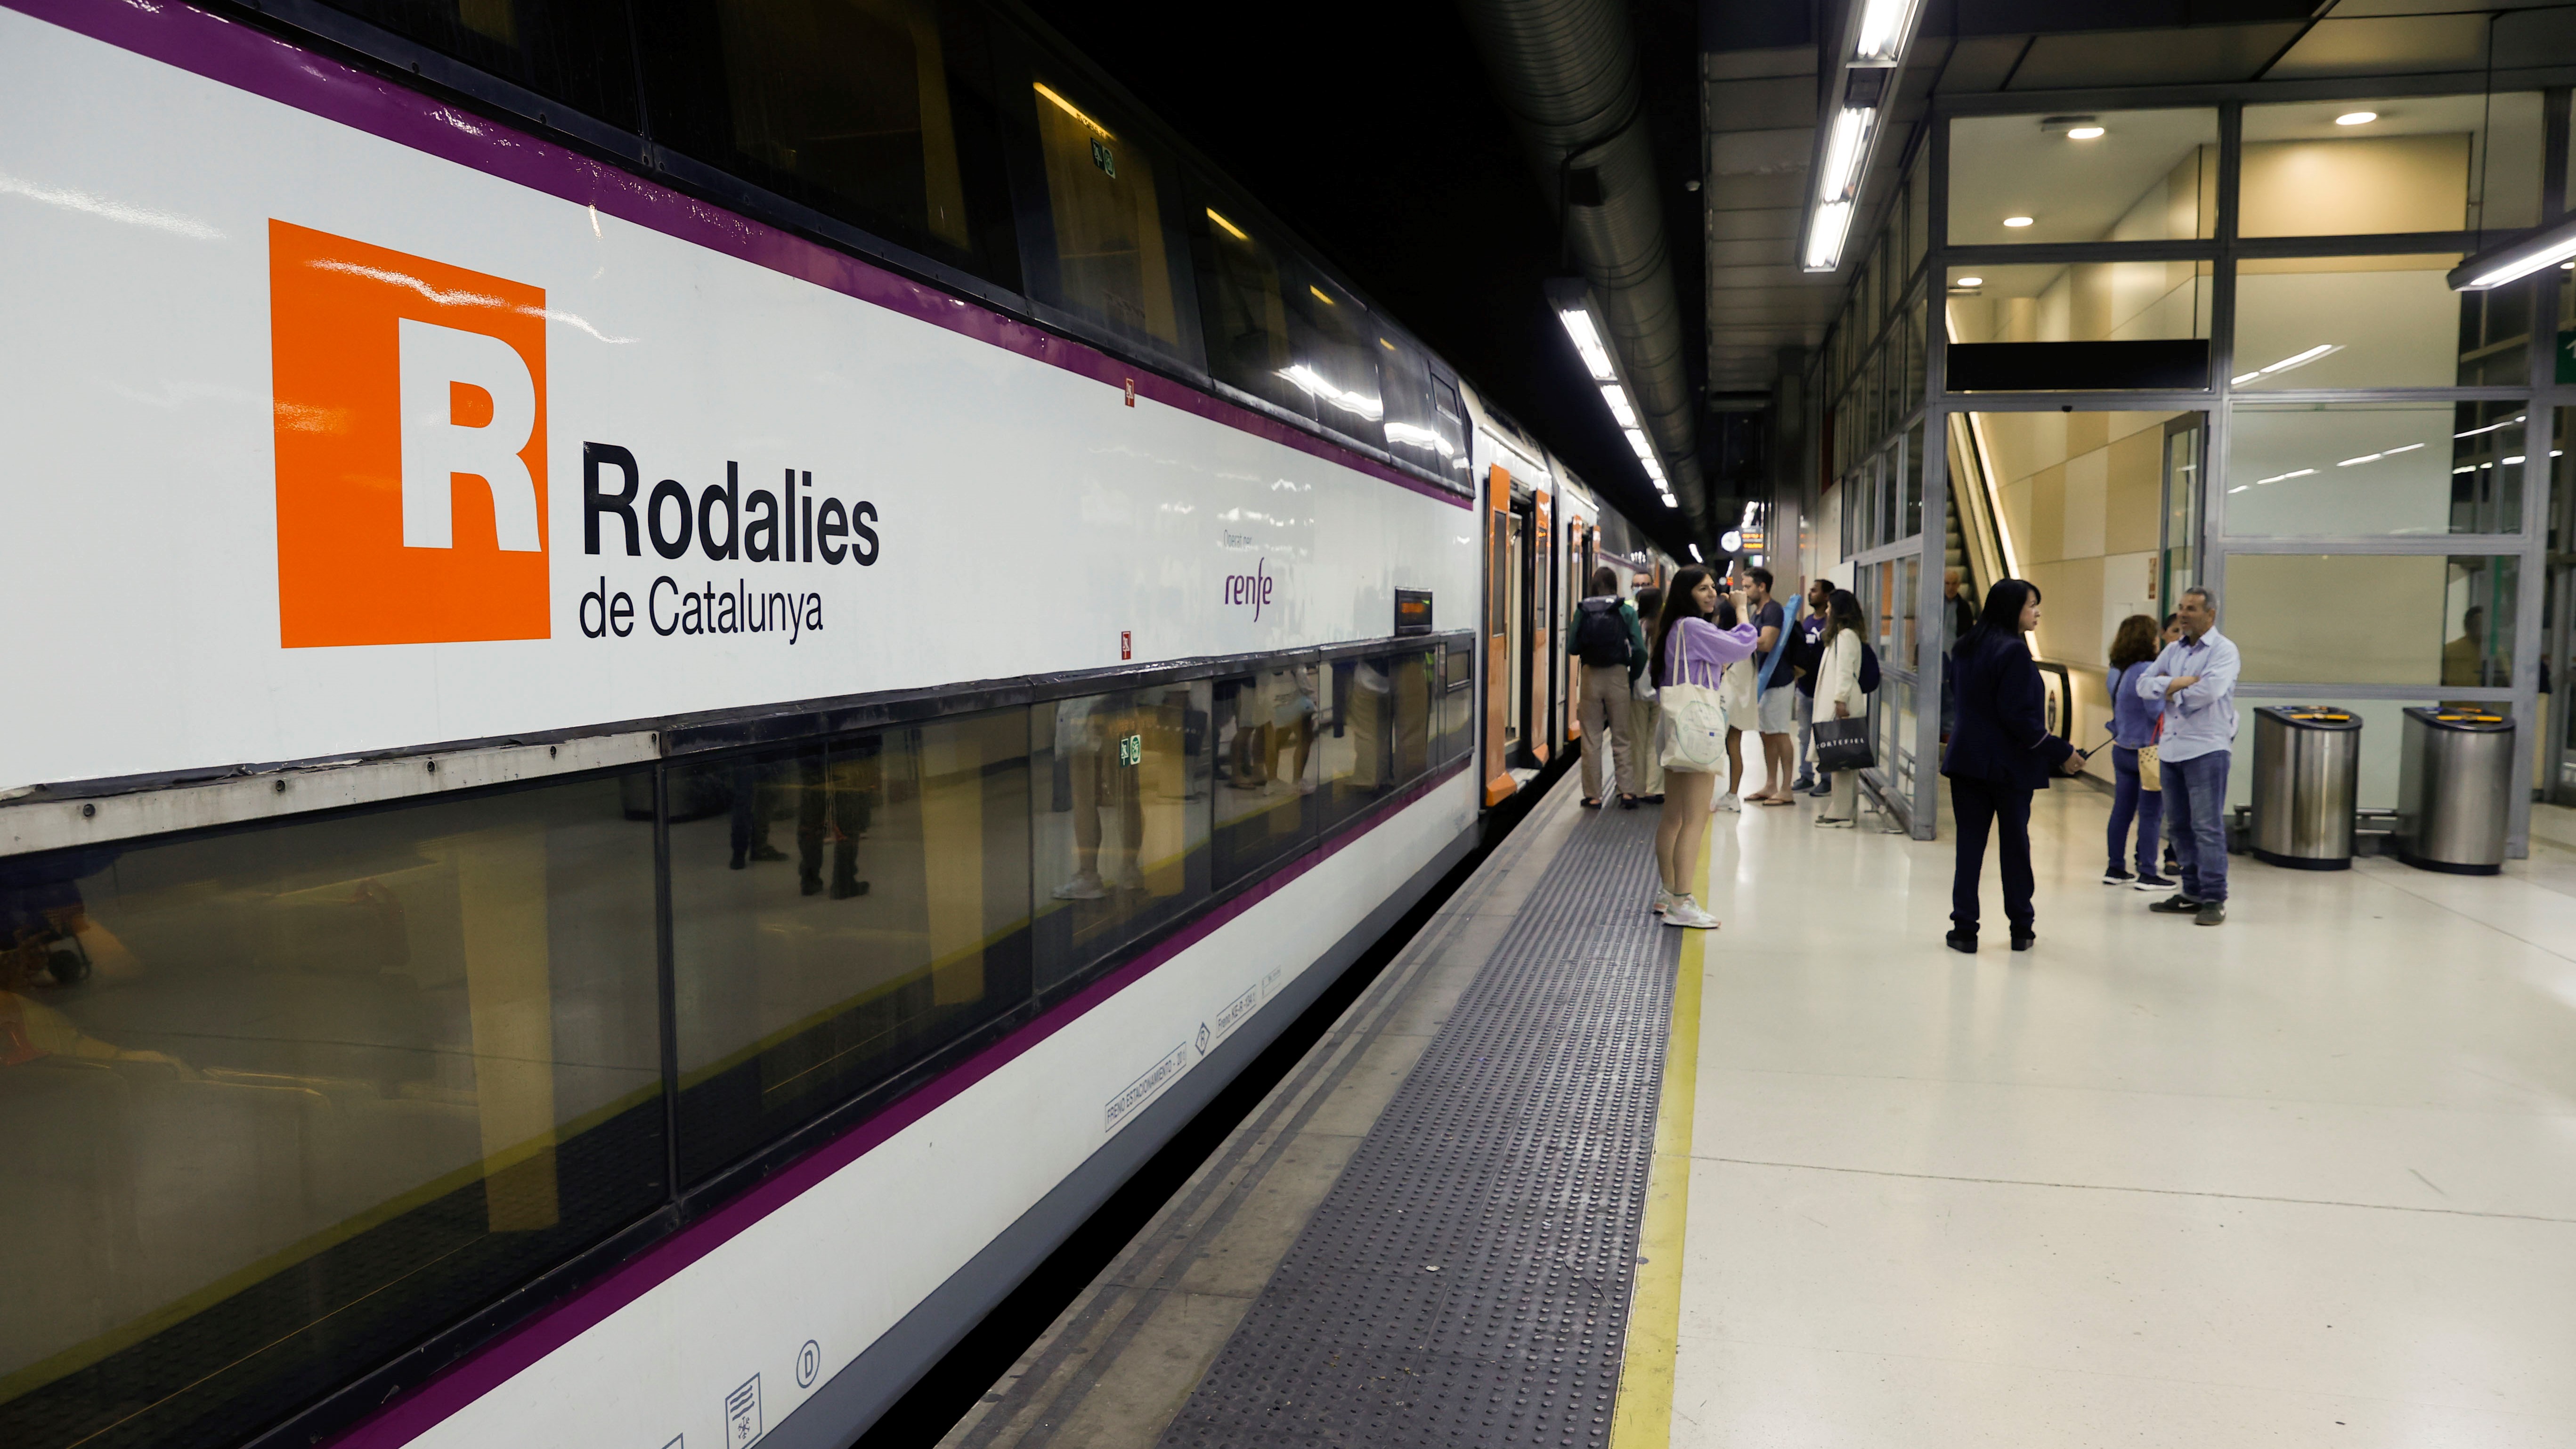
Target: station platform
1564, 1177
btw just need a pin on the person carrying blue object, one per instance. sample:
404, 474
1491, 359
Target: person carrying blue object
2195, 680
2134, 722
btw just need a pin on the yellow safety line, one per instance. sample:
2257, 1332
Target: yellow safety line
1643, 1418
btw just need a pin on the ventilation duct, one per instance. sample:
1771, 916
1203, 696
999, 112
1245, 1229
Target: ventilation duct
1566, 70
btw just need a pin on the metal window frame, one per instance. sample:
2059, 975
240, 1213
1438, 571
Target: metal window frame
2224, 249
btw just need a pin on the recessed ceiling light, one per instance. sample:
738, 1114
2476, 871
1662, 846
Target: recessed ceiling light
2016, 221
1969, 282
2083, 133
2356, 118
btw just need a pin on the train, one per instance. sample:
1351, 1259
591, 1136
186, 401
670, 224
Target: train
685, 675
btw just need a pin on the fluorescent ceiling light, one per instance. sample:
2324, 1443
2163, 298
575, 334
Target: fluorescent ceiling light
2017, 221
2491, 427
1695, 558
1969, 282
1637, 440
2528, 253
1843, 148
2408, 448
1587, 340
1825, 235
2509, 462
2083, 133
2356, 118
1319, 295
2364, 458
1617, 398
1671, 502
1230, 228
1881, 33
2282, 477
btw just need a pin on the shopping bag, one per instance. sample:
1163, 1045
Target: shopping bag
1843, 744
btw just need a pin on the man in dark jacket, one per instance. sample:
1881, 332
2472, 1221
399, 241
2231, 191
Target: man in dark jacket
2000, 751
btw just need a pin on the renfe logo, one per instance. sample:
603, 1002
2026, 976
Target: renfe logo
1252, 588
411, 447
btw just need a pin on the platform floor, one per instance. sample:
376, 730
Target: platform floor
2307, 1177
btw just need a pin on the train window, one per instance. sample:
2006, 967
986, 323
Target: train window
1457, 700
1265, 769
575, 51
278, 1098
1104, 256
1404, 384
1333, 346
1449, 420
1413, 679
839, 912
1356, 764
876, 112
1121, 820
1243, 307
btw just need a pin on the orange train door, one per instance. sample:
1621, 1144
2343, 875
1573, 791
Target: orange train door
1543, 624
1498, 664
1579, 542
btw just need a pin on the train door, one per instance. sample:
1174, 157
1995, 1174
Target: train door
1580, 541
1502, 606
1542, 648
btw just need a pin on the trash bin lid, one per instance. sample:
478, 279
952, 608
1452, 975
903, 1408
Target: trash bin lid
2473, 721
2312, 716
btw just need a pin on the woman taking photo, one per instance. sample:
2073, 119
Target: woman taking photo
2133, 728
2000, 751
1838, 689
1690, 657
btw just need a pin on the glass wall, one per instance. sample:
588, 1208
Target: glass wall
286, 1099
2355, 480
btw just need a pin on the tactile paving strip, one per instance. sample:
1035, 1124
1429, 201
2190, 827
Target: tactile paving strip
1466, 1281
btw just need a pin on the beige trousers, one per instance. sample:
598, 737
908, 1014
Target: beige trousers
1605, 727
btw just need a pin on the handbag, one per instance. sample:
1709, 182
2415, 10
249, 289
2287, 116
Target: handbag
1694, 729
1843, 744
2150, 773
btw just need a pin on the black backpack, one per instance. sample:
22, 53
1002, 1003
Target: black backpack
1868, 669
1601, 634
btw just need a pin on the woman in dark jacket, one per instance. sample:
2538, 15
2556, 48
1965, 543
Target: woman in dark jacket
2000, 751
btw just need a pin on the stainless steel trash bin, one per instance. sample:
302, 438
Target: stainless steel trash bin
2454, 784
2307, 771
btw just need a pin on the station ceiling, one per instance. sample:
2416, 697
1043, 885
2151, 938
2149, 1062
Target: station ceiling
1759, 61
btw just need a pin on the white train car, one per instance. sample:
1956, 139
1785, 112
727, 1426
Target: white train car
695, 675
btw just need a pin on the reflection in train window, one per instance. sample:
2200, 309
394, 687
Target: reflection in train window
276, 1099
1121, 820
1109, 262
1265, 769
840, 912
1335, 345
1243, 309
1413, 680
574, 51
868, 110
1458, 700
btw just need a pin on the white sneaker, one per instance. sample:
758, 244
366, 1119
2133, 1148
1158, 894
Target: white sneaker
1663, 900
1087, 886
1685, 911
1731, 801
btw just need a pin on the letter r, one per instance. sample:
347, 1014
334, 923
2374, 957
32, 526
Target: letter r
435, 448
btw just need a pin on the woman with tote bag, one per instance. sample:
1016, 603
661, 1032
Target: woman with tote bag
1838, 690
1690, 657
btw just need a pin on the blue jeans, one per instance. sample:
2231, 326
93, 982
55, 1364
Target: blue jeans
2128, 800
2196, 819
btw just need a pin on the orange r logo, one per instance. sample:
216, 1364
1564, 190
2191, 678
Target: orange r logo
411, 447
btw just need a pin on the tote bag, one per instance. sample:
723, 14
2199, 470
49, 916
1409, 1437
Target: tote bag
1694, 728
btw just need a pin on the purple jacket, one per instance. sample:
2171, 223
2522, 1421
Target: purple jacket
1697, 651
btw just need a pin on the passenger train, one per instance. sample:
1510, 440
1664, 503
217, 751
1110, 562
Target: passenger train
682, 675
